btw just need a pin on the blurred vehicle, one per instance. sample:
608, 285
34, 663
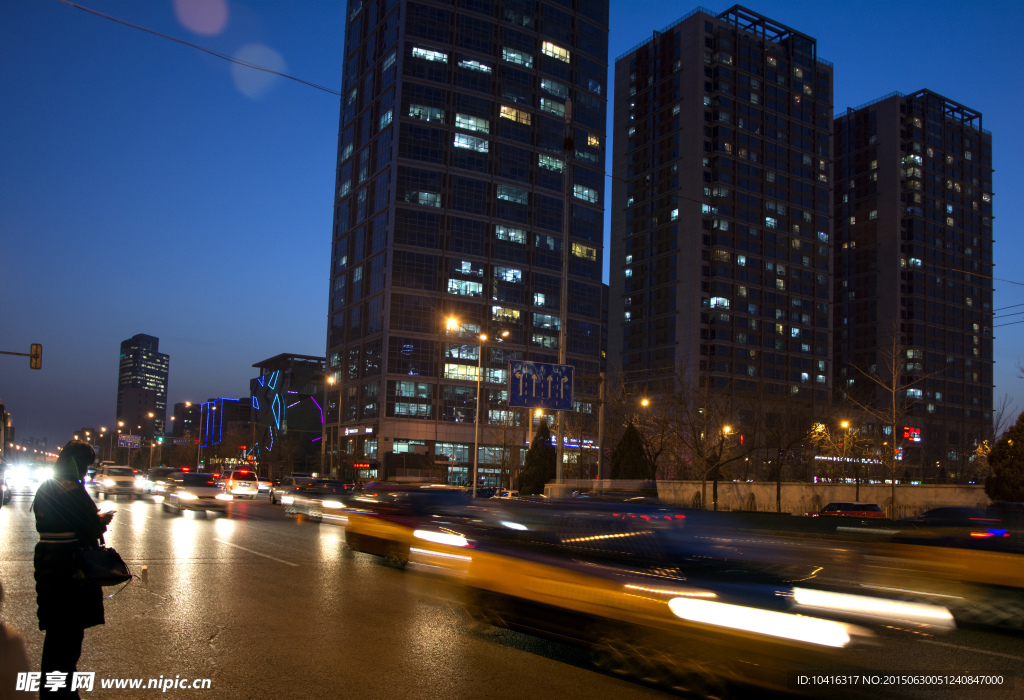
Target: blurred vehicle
156, 480
286, 485
5, 490
116, 481
265, 484
320, 499
383, 519
651, 599
240, 482
1010, 513
507, 494
850, 510
90, 475
194, 491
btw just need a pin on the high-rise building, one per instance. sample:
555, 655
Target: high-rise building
721, 213
142, 385
913, 208
471, 138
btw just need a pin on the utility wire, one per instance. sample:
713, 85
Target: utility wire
232, 59
338, 93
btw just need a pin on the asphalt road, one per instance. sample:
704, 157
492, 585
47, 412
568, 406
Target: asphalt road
266, 607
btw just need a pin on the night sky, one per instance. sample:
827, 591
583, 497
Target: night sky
148, 187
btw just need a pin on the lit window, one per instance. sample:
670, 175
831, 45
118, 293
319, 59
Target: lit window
507, 233
675, 109
429, 55
549, 163
545, 341
520, 58
552, 107
427, 114
473, 143
516, 115
555, 51
719, 303
508, 274
475, 65
465, 288
585, 193
628, 272
385, 119
546, 321
501, 313
390, 60
464, 121
584, 251
512, 194
873, 214
539, 299
674, 214
555, 88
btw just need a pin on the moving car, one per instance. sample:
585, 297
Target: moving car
194, 491
285, 486
156, 480
384, 518
240, 482
319, 500
850, 509
116, 481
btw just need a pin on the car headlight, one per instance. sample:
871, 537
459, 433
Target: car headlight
140, 481
287, 500
186, 496
767, 622
441, 538
109, 483
224, 497
333, 504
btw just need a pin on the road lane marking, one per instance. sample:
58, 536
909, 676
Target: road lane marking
259, 554
977, 651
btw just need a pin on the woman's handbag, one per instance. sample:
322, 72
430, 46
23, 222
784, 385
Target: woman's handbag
101, 565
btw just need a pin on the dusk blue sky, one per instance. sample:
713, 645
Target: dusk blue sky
147, 187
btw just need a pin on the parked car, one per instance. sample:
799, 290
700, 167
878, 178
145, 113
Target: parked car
240, 482
116, 481
850, 509
194, 491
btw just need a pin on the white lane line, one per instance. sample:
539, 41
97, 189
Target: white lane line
976, 651
250, 551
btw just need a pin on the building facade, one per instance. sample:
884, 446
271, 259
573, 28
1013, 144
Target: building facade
287, 398
913, 285
470, 171
142, 385
721, 241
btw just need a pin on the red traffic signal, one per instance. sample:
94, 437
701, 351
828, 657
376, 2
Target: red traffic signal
35, 356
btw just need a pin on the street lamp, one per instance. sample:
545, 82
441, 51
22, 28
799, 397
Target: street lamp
330, 379
451, 325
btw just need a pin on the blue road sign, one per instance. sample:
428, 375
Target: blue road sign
179, 441
540, 385
132, 442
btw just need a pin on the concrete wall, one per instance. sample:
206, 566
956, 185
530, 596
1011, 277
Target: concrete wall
796, 498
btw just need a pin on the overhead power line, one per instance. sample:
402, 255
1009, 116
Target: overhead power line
232, 59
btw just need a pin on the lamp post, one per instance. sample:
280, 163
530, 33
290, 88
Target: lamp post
329, 380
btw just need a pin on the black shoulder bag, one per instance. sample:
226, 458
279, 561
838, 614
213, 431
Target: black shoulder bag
102, 565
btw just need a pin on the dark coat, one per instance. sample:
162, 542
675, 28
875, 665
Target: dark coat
64, 601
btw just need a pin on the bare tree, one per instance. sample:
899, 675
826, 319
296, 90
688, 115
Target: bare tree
1005, 415
885, 396
504, 432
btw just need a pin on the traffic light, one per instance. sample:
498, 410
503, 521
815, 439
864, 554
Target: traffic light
160, 439
35, 356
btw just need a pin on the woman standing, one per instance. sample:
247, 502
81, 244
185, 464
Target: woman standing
66, 520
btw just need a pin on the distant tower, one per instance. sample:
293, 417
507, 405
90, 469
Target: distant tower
142, 385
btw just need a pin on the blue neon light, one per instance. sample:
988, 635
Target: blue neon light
273, 379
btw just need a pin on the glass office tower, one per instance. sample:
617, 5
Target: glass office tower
472, 133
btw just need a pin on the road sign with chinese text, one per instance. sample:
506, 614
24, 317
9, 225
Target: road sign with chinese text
132, 442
